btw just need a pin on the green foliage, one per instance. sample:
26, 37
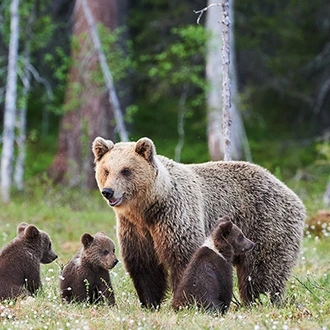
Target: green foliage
175, 74
181, 64
281, 48
323, 150
119, 56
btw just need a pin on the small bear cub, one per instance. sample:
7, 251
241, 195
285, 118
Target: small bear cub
20, 262
208, 278
86, 277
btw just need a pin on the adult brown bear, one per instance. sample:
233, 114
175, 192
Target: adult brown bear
165, 210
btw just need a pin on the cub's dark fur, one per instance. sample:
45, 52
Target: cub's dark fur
208, 278
20, 262
86, 277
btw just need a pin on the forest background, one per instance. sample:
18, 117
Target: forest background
158, 56
156, 53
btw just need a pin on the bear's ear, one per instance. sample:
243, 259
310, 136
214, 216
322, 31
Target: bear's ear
31, 232
100, 147
86, 240
146, 148
226, 228
225, 218
21, 227
100, 233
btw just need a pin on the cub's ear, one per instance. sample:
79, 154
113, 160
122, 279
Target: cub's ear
146, 148
31, 232
226, 228
100, 233
225, 218
87, 240
21, 227
100, 147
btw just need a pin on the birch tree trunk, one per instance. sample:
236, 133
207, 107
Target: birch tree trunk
21, 124
8, 135
240, 143
181, 131
22, 108
326, 195
226, 84
214, 76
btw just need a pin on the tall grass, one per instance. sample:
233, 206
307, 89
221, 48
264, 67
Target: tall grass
67, 214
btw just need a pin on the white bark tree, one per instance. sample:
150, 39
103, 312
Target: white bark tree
8, 135
21, 123
226, 83
214, 76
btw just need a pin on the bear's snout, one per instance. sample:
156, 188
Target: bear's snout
107, 193
250, 246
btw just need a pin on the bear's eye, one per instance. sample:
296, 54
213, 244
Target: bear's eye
105, 252
126, 171
106, 172
240, 237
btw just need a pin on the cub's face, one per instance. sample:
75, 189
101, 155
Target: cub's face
124, 174
239, 242
99, 250
231, 234
48, 255
40, 241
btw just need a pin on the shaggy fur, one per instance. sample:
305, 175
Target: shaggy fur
20, 262
208, 279
86, 277
165, 210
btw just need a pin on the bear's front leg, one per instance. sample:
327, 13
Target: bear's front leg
148, 274
33, 282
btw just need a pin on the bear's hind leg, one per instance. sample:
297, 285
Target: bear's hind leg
255, 280
148, 274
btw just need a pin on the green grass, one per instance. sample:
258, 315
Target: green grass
67, 214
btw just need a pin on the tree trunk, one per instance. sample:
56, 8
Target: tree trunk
21, 125
240, 144
214, 76
226, 84
326, 195
107, 76
88, 113
8, 135
22, 109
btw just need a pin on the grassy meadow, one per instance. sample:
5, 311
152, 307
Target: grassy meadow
67, 214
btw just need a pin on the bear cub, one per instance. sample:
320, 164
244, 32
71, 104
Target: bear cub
20, 262
208, 278
86, 277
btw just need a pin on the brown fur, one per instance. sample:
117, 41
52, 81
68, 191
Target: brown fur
165, 210
20, 262
208, 279
86, 277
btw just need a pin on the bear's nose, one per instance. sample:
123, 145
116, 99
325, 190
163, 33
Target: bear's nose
107, 193
115, 262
